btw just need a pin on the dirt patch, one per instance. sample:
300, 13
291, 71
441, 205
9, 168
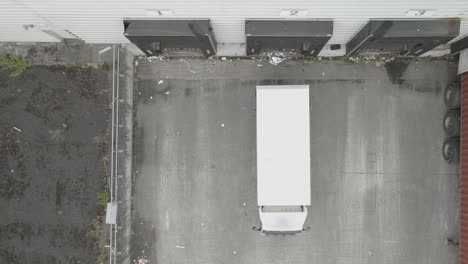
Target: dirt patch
14, 181
50, 165
38, 52
85, 79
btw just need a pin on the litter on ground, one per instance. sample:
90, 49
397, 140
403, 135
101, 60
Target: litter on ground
276, 58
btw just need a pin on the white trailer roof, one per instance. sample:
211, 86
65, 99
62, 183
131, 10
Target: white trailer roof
283, 145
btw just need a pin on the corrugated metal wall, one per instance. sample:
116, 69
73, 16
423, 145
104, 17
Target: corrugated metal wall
13, 17
464, 173
100, 21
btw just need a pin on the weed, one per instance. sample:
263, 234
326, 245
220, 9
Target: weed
103, 141
105, 163
106, 141
103, 198
76, 67
96, 223
105, 66
105, 159
97, 231
15, 64
102, 257
100, 237
109, 107
60, 212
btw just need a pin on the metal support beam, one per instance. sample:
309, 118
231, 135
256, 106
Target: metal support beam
459, 45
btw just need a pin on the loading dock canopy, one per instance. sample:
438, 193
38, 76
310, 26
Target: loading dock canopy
155, 36
459, 45
305, 36
403, 37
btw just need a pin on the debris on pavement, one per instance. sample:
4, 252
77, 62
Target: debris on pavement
160, 81
152, 58
276, 58
17, 129
142, 261
180, 247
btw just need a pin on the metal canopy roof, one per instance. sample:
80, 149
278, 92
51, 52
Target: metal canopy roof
167, 27
459, 45
409, 37
156, 35
306, 36
288, 28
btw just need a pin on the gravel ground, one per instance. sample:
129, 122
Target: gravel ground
53, 147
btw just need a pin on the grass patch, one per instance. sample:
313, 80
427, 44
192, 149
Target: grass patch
102, 257
97, 228
60, 212
101, 239
14, 64
105, 162
101, 236
105, 66
109, 107
103, 198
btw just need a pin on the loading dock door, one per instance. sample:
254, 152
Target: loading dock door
305, 36
172, 35
403, 37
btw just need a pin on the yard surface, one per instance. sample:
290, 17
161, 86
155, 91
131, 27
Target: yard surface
53, 142
381, 192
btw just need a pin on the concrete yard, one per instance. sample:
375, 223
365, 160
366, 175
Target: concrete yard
381, 191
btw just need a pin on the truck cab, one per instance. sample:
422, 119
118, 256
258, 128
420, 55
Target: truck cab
282, 220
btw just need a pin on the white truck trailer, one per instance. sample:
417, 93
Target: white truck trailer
283, 157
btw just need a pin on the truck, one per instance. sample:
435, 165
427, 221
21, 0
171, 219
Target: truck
283, 157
